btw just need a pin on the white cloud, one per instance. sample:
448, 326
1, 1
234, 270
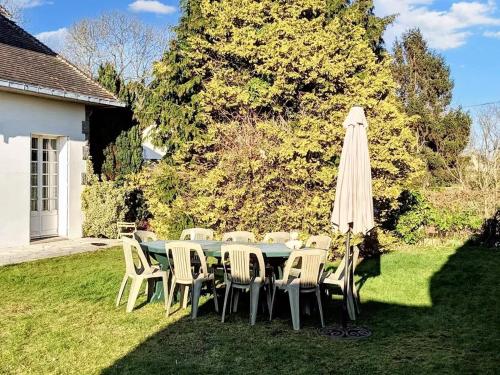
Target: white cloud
25, 4
151, 6
54, 39
492, 34
443, 29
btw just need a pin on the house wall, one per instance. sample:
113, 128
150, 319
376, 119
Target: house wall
20, 117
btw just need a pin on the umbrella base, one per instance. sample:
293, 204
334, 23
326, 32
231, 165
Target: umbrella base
347, 333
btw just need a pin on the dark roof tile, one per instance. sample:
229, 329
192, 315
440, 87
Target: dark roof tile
24, 59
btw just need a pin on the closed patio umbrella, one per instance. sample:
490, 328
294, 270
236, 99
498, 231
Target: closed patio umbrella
353, 207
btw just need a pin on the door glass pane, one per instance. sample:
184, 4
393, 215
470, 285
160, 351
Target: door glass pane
44, 192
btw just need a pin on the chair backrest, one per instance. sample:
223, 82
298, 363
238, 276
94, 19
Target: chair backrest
197, 234
319, 242
145, 236
276, 237
126, 229
180, 252
131, 246
339, 272
241, 236
311, 262
240, 261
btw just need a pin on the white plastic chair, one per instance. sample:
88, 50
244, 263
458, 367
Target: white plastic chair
138, 273
276, 237
197, 234
240, 236
337, 280
241, 274
312, 262
183, 273
126, 229
319, 242
145, 236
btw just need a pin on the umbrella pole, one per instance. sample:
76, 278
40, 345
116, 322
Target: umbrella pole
345, 313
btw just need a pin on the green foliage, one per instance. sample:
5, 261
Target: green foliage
103, 205
172, 99
115, 138
124, 156
137, 207
422, 218
159, 185
411, 225
425, 88
250, 100
109, 78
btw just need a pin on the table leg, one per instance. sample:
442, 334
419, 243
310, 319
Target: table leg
156, 288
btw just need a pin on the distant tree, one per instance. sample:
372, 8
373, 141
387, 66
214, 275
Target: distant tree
485, 157
119, 38
425, 88
109, 78
11, 9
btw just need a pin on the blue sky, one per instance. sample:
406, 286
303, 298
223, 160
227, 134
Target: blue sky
466, 32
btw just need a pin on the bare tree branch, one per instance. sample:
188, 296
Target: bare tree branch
12, 9
115, 37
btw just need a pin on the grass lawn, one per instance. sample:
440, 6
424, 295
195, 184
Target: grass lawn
431, 309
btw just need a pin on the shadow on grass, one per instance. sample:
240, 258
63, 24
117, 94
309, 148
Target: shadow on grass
458, 333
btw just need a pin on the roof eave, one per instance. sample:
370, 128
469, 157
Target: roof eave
60, 94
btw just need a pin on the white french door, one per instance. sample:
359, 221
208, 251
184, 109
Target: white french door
44, 187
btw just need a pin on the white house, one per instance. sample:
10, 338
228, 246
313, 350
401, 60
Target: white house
149, 150
45, 103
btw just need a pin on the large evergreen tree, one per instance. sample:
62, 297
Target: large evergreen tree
172, 101
425, 88
251, 104
116, 138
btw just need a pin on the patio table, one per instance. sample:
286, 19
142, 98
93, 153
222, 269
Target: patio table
274, 252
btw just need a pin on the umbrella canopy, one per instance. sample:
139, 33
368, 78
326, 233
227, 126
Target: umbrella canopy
353, 207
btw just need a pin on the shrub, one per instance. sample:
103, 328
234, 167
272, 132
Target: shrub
124, 156
490, 231
410, 225
442, 212
103, 204
159, 184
